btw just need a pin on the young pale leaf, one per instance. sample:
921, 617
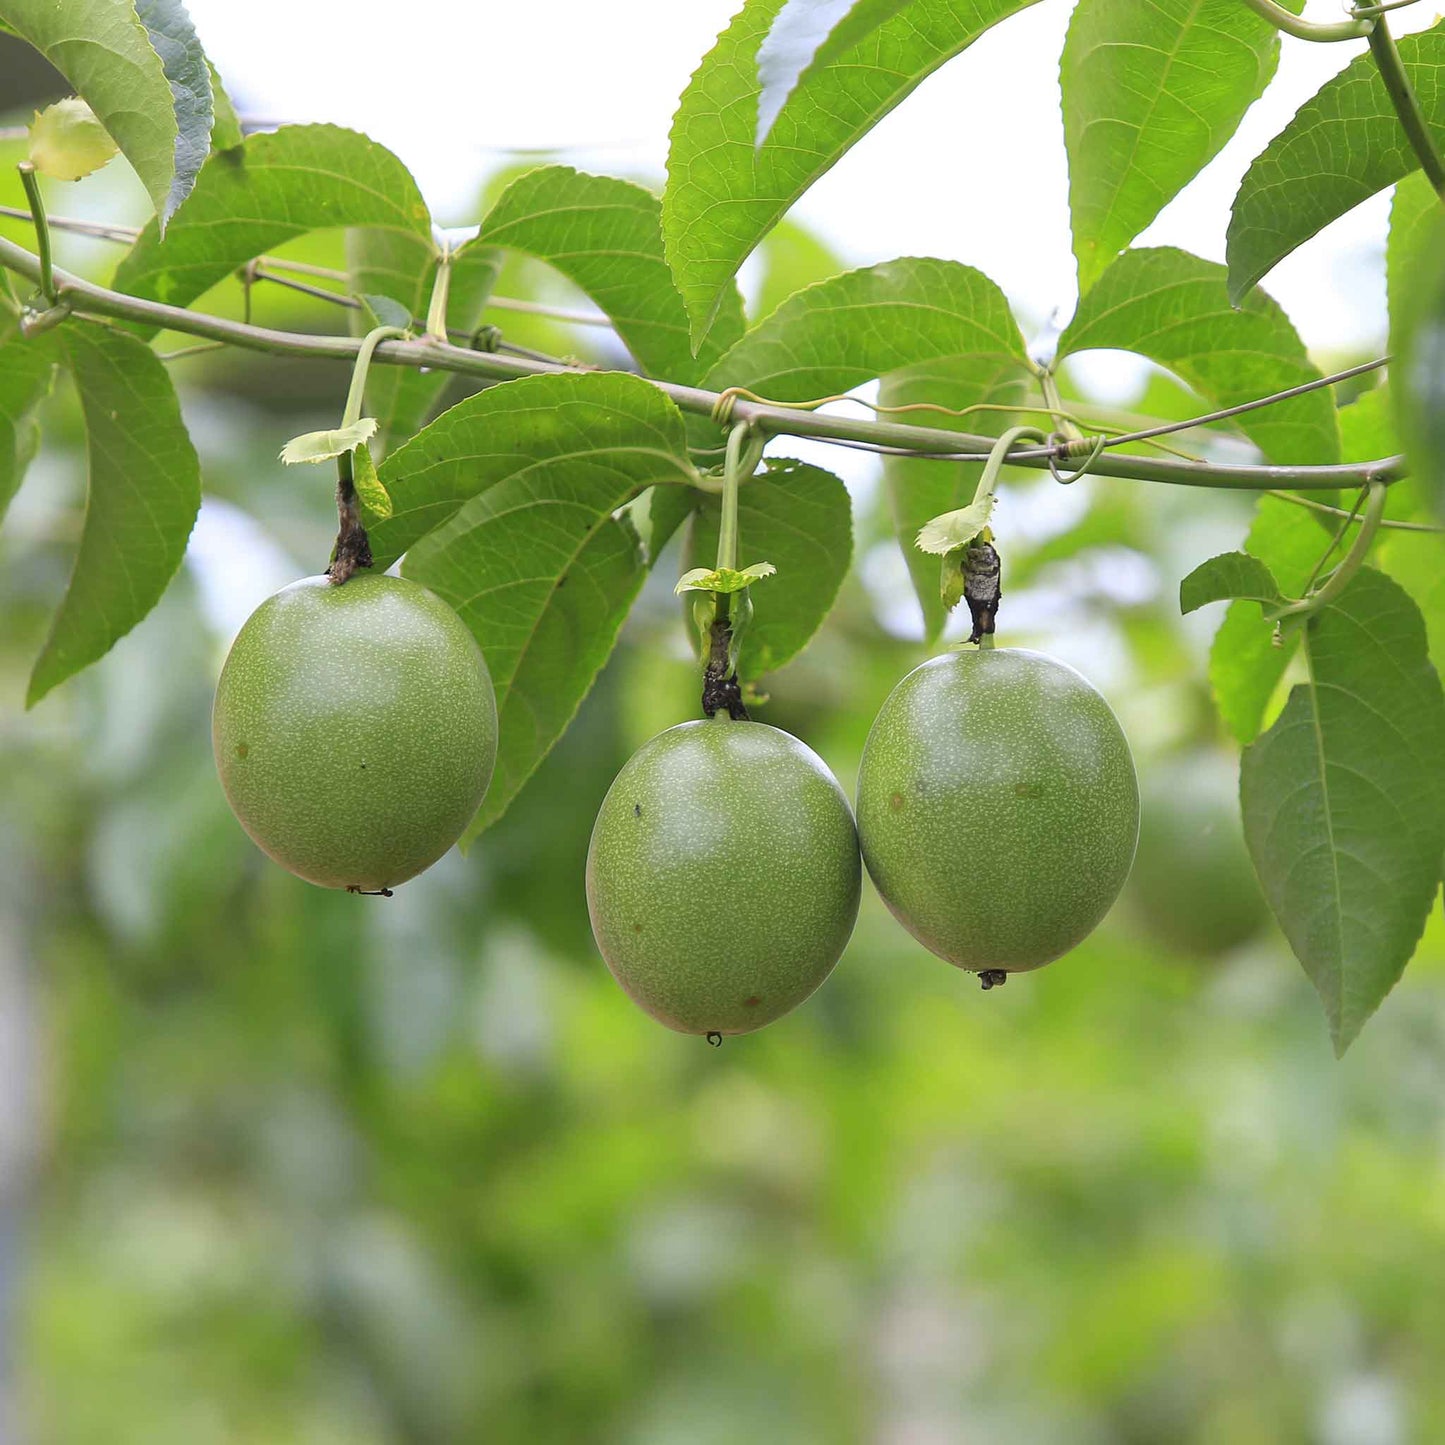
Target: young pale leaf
605, 235
1233, 574
724, 191
863, 324
102, 49
1174, 308
26, 369
322, 446
1245, 665
1344, 800
807, 33
919, 490
67, 142
541, 564
1343, 145
723, 579
145, 491
272, 188
374, 497
955, 529
801, 517
1152, 89
188, 74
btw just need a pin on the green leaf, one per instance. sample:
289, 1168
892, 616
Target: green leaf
605, 235
67, 142
724, 192
373, 496
145, 491
397, 270
1343, 145
226, 125
1233, 574
1173, 308
852, 328
188, 74
1152, 89
26, 370
102, 49
919, 490
541, 564
1416, 234
270, 189
807, 33
322, 446
727, 580
1245, 665
800, 517
1344, 800
953, 530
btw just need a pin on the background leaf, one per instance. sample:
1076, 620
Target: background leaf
1344, 801
724, 192
1173, 308
26, 369
273, 187
1416, 231
605, 235
1342, 146
102, 49
538, 564
225, 125
188, 74
1152, 89
1234, 574
800, 519
145, 491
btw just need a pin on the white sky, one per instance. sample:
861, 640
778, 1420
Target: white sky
970, 167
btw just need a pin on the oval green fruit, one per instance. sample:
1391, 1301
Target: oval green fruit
723, 875
1193, 888
355, 730
997, 808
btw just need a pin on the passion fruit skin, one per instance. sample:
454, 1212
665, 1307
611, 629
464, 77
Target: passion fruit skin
998, 808
355, 730
723, 875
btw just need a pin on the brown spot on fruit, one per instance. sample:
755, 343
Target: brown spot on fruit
896, 802
1028, 790
242, 750
752, 1002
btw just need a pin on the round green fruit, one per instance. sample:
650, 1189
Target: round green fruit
355, 729
1193, 888
723, 875
997, 808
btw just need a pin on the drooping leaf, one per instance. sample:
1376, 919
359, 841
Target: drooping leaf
270, 189
724, 192
852, 328
102, 49
1173, 308
807, 33
953, 530
1343, 145
799, 517
373, 495
67, 142
1245, 664
605, 235
1152, 89
26, 369
399, 269
188, 74
1232, 574
144, 493
1344, 800
541, 563
323, 446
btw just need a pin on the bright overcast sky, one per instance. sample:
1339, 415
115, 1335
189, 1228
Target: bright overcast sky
970, 167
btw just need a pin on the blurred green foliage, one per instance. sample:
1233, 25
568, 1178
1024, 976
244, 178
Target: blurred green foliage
314, 1168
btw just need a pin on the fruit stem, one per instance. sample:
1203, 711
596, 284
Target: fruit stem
721, 691
31, 182
357, 391
436, 316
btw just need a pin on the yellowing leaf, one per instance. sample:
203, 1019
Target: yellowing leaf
67, 142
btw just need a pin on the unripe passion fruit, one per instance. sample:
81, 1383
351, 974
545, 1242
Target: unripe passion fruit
355, 729
997, 808
723, 875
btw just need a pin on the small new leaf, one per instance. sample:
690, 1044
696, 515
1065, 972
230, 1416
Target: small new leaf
67, 142
1232, 574
385, 310
723, 579
955, 529
320, 446
374, 497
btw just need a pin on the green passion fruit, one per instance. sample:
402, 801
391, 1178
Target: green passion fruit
1193, 888
355, 730
997, 808
723, 875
